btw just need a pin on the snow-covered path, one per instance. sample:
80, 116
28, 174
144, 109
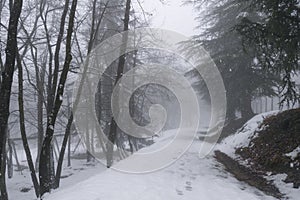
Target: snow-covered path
189, 178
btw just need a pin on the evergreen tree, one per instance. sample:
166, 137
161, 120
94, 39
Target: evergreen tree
243, 77
275, 38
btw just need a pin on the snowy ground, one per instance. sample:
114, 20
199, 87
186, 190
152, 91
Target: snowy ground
79, 171
189, 178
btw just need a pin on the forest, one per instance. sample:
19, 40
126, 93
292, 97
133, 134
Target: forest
100, 101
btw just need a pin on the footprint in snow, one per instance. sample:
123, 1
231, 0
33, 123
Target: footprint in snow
179, 192
189, 188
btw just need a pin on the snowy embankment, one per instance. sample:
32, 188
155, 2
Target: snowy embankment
189, 178
242, 139
243, 136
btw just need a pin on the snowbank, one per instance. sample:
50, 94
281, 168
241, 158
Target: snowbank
244, 135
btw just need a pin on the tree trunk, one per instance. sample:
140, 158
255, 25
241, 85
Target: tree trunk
113, 125
67, 137
69, 148
10, 167
45, 157
230, 114
246, 107
62, 151
40, 90
5, 90
22, 128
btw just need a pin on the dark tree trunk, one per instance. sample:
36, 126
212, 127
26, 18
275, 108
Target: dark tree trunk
22, 128
246, 107
67, 137
132, 150
113, 125
5, 90
10, 167
45, 165
62, 151
40, 76
110, 146
69, 148
45, 157
230, 116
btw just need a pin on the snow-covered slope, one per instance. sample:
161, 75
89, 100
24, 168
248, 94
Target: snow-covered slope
242, 139
244, 135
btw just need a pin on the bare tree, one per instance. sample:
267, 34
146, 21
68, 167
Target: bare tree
23, 129
45, 159
113, 125
94, 29
6, 84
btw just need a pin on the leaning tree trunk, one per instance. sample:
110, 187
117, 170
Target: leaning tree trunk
5, 90
62, 151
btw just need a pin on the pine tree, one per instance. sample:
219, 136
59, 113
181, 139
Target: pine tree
243, 77
275, 38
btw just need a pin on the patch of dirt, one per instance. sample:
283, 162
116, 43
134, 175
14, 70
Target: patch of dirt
278, 136
246, 175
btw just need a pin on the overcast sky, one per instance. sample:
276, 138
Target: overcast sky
172, 15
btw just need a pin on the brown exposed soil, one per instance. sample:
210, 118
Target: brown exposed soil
248, 176
279, 135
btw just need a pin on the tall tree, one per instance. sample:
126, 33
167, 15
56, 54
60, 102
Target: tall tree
96, 22
45, 157
23, 129
113, 125
5, 87
275, 37
243, 77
